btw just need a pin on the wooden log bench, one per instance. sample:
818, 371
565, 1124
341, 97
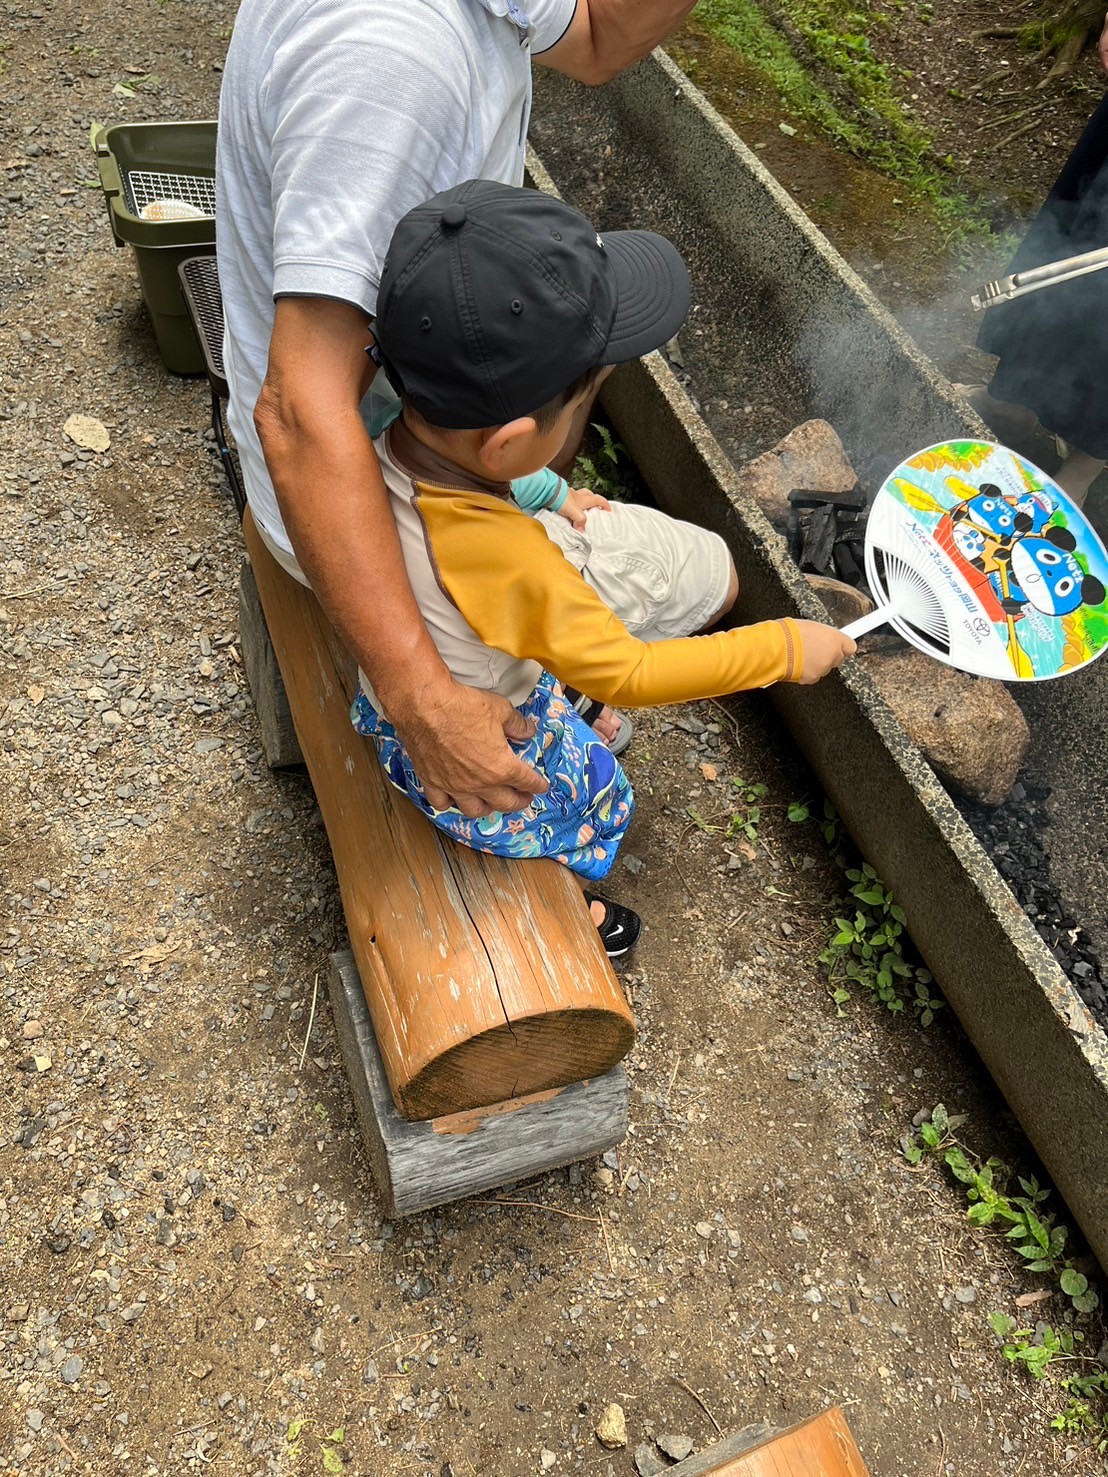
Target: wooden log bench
481, 1022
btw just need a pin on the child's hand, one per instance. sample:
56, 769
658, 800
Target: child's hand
824, 648
578, 502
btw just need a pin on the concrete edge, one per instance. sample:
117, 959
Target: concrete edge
1047, 1054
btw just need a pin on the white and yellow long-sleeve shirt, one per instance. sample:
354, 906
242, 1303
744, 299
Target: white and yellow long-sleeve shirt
502, 602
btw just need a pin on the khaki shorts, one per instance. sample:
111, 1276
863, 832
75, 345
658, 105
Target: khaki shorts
662, 578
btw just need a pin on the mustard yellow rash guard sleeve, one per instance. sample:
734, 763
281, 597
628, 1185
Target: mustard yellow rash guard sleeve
520, 595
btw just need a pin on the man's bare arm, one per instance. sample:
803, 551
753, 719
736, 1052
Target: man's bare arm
337, 515
607, 36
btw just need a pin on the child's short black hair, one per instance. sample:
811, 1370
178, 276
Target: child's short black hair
547, 414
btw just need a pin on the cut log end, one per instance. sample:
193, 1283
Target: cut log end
513, 1061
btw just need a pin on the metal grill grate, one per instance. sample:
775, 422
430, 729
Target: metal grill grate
200, 279
144, 187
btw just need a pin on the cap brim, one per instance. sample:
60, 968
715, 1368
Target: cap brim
652, 283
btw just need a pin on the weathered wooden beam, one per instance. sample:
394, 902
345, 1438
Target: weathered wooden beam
418, 1165
279, 742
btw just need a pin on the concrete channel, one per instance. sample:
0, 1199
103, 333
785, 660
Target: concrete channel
782, 329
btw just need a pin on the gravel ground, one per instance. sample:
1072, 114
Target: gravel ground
194, 1270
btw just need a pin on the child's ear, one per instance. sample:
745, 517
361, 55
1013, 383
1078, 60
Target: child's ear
500, 443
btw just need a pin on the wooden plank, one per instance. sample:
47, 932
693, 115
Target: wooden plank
485, 979
820, 1447
418, 1165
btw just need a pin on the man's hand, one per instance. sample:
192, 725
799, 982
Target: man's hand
458, 744
578, 501
1102, 48
823, 648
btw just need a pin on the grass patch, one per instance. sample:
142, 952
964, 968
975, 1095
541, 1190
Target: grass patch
857, 106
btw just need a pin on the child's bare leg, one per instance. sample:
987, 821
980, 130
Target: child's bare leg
596, 908
728, 600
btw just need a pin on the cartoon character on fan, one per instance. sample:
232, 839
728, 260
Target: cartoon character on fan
1043, 573
1007, 550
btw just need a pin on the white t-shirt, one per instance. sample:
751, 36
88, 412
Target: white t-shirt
336, 118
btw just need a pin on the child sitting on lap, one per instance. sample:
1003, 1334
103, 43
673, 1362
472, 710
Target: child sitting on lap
499, 311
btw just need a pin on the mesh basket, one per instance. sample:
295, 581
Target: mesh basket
159, 187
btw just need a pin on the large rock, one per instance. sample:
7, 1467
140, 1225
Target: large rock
970, 730
810, 458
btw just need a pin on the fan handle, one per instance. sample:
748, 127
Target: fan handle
867, 623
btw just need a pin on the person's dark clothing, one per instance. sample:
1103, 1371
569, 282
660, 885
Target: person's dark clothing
1053, 344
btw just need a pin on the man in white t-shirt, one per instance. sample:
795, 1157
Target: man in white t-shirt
336, 118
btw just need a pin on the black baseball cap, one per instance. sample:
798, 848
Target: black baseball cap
494, 299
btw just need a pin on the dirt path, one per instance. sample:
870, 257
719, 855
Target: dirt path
194, 1271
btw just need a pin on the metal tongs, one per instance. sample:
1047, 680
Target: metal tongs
1007, 288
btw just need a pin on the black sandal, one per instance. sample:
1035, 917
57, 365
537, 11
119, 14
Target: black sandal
620, 928
590, 710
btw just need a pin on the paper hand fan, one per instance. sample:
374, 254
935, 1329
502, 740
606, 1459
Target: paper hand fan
977, 558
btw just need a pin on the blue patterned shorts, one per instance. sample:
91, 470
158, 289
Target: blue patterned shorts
581, 819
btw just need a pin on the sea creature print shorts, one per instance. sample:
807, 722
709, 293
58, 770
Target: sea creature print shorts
581, 819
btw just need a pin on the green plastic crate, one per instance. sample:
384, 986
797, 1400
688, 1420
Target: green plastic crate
144, 163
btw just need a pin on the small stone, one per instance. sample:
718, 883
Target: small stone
676, 1447
611, 1429
133, 1312
32, 1030
647, 1461
35, 1419
18, 1313
813, 1296
315, 1343
798, 1233
704, 1230
87, 431
547, 1458
370, 1372
965, 1294
70, 1372
603, 1179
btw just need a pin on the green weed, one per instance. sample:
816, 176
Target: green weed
606, 472
329, 1446
1034, 1235
747, 817
1033, 1232
867, 949
1086, 1415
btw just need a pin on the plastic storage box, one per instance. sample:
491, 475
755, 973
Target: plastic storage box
159, 185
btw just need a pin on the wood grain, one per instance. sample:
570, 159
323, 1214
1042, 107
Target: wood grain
485, 979
820, 1447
